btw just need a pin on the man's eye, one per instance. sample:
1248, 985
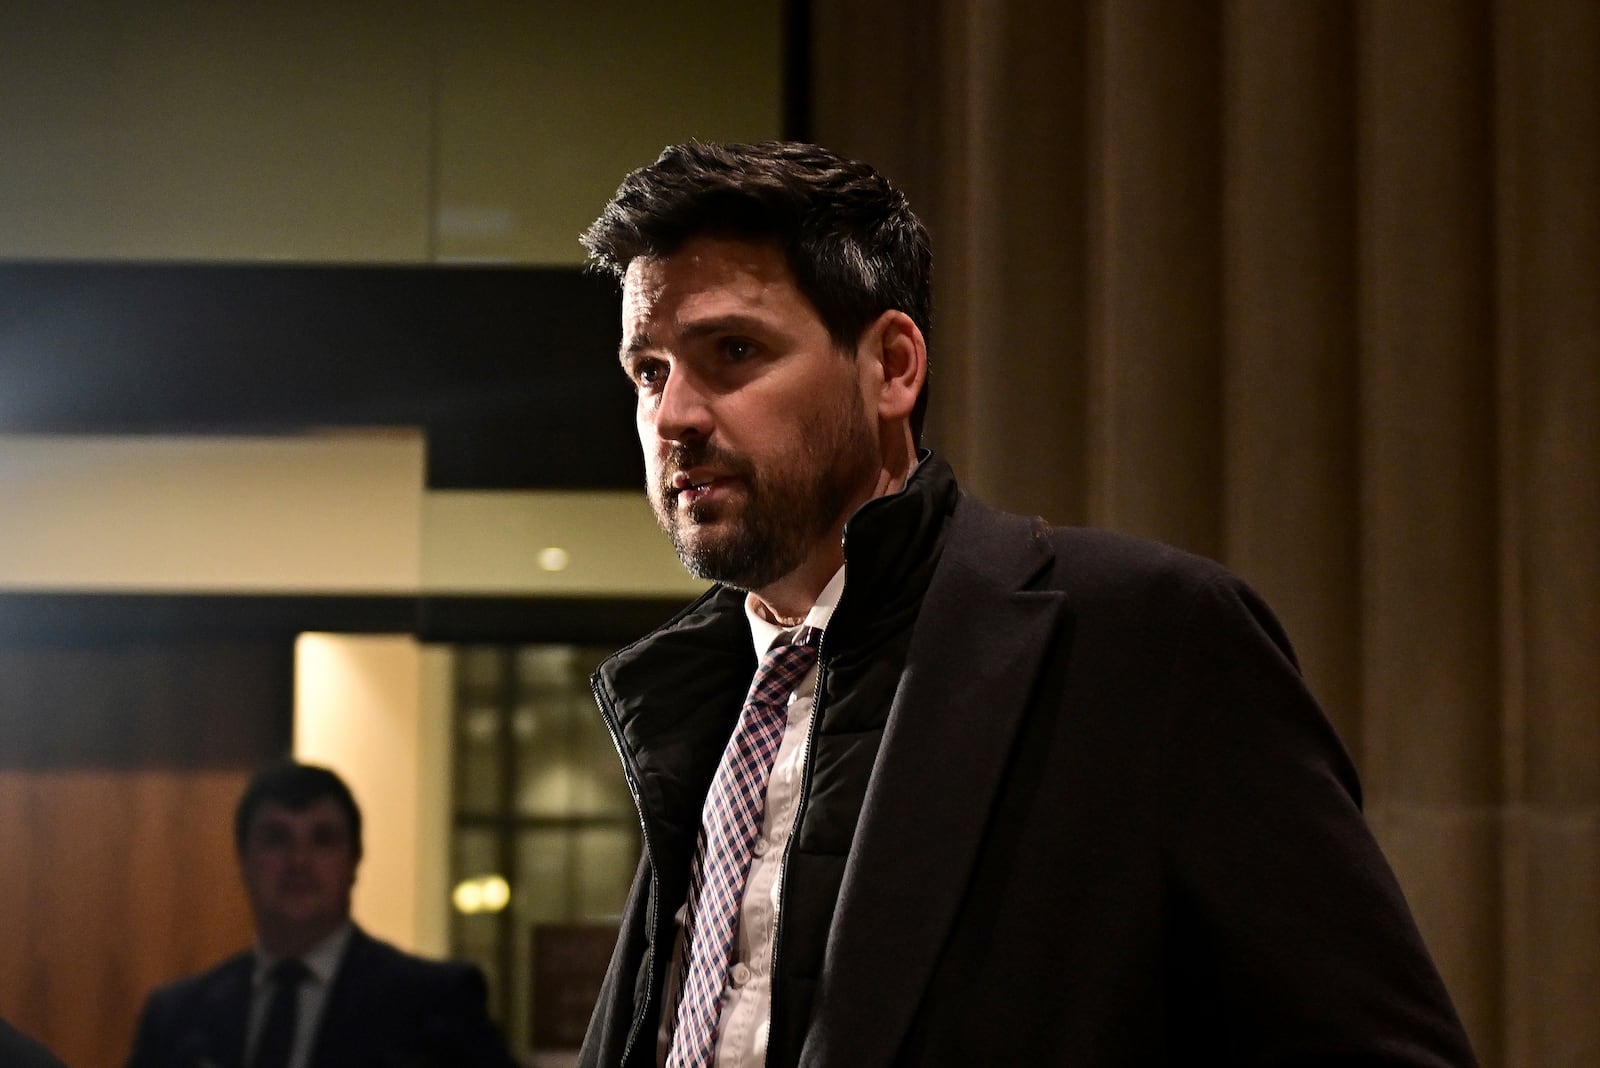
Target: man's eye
328, 838
735, 349
648, 375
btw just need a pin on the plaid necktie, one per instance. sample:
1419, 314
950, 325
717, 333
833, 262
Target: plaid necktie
728, 828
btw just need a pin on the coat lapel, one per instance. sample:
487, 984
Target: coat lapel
228, 1010
977, 646
352, 984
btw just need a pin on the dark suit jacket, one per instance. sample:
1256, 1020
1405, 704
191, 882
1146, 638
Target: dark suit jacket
17, 1050
386, 1009
1107, 826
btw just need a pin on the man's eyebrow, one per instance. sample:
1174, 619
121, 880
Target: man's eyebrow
719, 324
634, 345
733, 323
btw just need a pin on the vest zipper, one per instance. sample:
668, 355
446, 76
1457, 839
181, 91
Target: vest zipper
794, 833
615, 729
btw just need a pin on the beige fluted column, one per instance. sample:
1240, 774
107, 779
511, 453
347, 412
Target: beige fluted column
975, 111
1339, 326
880, 88
1428, 423
1011, 272
1155, 342
1549, 172
1291, 506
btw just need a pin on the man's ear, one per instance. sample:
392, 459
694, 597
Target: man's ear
895, 345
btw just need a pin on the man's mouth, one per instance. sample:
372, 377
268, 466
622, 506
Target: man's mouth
692, 486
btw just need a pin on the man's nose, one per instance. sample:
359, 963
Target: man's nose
683, 410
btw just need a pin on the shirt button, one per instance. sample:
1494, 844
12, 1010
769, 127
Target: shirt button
740, 974
761, 847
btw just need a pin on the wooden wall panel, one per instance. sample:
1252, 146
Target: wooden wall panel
114, 882
122, 762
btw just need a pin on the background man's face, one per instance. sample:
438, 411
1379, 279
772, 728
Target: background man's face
298, 867
755, 429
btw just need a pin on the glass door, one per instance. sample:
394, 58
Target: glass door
545, 838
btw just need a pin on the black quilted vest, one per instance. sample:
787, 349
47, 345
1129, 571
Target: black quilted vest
671, 699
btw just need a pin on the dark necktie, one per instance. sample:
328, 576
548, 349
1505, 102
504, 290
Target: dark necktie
728, 829
277, 1033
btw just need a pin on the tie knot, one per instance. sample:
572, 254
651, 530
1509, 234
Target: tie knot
290, 972
781, 670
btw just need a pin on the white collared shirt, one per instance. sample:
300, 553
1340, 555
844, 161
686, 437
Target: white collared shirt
322, 961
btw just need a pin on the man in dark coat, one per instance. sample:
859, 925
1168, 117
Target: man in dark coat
1035, 796
316, 991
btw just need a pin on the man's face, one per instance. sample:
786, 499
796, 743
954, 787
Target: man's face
298, 867
757, 437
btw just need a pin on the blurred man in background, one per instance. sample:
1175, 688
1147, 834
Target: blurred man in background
316, 991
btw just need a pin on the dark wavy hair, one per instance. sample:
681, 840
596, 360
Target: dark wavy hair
295, 786
851, 241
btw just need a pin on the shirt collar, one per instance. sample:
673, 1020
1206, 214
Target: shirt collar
765, 635
322, 959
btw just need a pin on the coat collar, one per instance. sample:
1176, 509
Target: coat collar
674, 696
980, 638
347, 1012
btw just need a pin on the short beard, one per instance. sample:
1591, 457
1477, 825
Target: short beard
786, 511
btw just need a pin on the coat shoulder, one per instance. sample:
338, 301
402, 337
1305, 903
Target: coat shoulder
1085, 561
200, 986
377, 961
198, 1015
388, 1003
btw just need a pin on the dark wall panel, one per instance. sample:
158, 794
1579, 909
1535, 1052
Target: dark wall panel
511, 370
161, 703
